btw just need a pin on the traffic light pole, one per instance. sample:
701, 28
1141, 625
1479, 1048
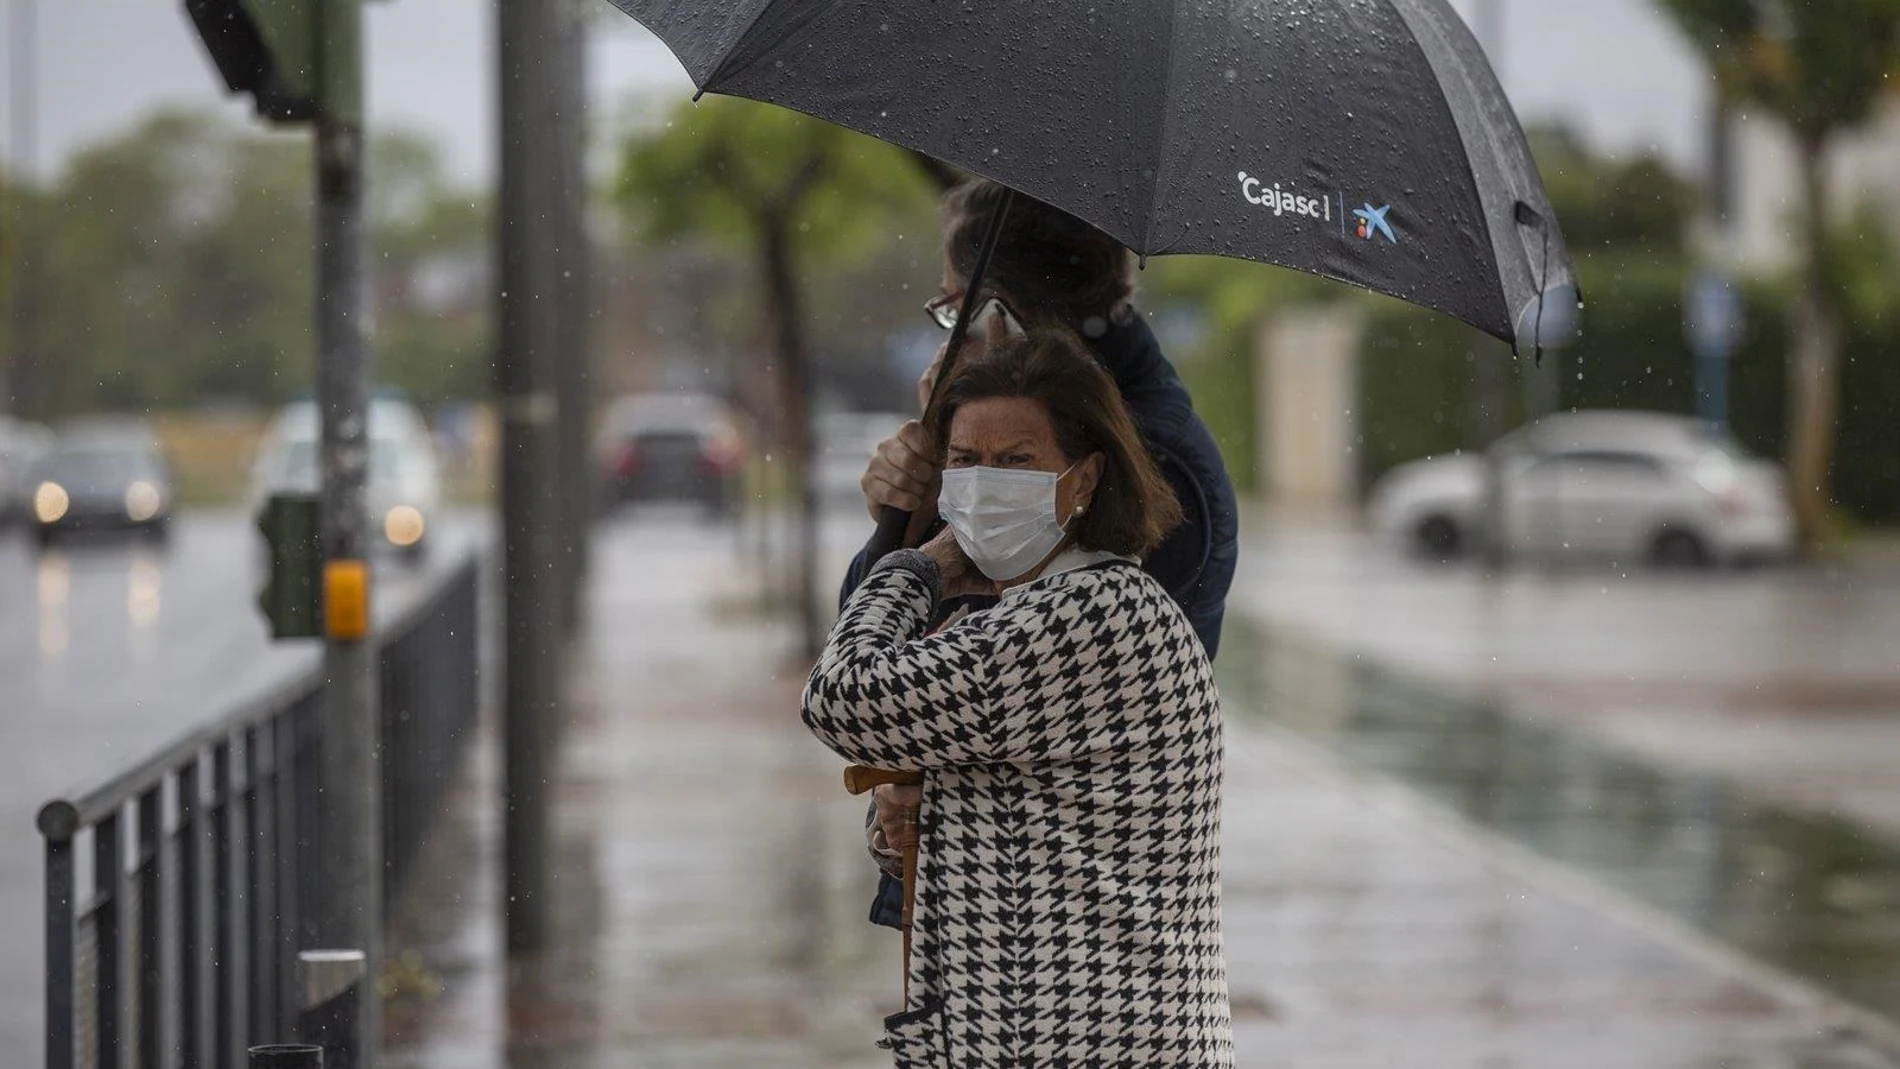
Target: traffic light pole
302, 61
351, 823
529, 256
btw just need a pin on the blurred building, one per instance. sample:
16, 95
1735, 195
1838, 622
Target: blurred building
1765, 185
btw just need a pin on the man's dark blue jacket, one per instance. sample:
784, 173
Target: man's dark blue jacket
1196, 562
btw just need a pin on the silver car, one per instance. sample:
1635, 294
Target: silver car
405, 480
102, 478
22, 445
1621, 486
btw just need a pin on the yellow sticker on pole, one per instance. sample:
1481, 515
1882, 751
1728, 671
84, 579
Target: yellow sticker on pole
346, 600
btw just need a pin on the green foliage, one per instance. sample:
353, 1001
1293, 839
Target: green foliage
1605, 203
1229, 299
841, 223
1820, 66
175, 263
1417, 385
720, 167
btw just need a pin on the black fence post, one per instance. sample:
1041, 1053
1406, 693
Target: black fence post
180, 944
287, 1056
58, 823
335, 985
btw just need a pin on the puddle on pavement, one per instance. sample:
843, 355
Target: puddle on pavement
1812, 894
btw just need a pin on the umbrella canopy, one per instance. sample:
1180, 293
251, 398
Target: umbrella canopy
1361, 140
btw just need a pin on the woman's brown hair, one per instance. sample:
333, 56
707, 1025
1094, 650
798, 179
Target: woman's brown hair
1134, 508
1051, 264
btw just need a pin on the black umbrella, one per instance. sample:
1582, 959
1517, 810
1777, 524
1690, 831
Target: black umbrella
1362, 140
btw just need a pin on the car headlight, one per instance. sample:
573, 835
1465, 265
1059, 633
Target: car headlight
1715, 473
403, 525
141, 501
50, 502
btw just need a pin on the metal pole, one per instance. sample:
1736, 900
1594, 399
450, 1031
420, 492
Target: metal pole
576, 477
528, 310
351, 823
16, 385
1492, 396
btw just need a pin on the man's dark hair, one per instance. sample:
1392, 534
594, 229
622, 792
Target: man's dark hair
1134, 508
1055, 267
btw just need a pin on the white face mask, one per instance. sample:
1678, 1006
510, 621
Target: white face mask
1005, 520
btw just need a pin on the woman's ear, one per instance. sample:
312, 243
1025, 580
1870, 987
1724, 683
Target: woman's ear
1087, 477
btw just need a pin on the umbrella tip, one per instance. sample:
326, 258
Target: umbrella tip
1141, 263
697, 93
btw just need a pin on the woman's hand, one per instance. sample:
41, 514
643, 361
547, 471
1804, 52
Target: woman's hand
892, 799
904, 475
961, 579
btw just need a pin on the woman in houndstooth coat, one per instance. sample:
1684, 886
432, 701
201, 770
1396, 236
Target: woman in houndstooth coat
1068, 893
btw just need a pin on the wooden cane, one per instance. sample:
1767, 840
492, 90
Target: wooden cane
859, 779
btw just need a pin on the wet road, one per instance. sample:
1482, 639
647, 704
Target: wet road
108, 650
1786, 680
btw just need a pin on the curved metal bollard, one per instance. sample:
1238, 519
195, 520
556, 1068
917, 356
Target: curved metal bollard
334, 983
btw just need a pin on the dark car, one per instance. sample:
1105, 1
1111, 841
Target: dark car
105, 483
672, 447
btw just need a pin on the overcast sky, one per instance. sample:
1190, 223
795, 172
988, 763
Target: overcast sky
1612, 67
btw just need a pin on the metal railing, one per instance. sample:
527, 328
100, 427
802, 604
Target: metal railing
179, 894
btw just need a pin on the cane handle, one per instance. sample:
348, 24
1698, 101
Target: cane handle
858, 778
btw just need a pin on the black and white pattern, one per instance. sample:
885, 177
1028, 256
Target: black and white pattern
1068, 903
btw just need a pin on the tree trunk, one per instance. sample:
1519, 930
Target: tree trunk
1814, 370
788, 335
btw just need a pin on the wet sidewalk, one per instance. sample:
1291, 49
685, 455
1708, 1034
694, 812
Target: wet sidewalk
712, 888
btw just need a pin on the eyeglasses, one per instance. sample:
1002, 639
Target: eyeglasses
942, 310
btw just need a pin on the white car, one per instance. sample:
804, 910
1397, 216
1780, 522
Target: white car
405, 480
1624, 486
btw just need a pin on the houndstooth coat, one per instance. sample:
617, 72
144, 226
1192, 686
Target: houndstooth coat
1068, 900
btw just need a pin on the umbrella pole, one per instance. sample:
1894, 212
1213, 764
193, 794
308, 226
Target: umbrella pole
893, 522
891, 525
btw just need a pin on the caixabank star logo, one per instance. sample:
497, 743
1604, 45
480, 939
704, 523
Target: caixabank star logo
1375, 221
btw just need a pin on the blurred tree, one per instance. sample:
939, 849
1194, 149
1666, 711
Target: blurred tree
1820, 68
169, 267
791, 192
1633, 205
429, 265
175, 265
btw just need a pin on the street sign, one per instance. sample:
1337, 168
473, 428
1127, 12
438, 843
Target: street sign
1712, 321
1712, 318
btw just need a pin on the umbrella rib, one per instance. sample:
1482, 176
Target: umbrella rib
1161, 141
736, 61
